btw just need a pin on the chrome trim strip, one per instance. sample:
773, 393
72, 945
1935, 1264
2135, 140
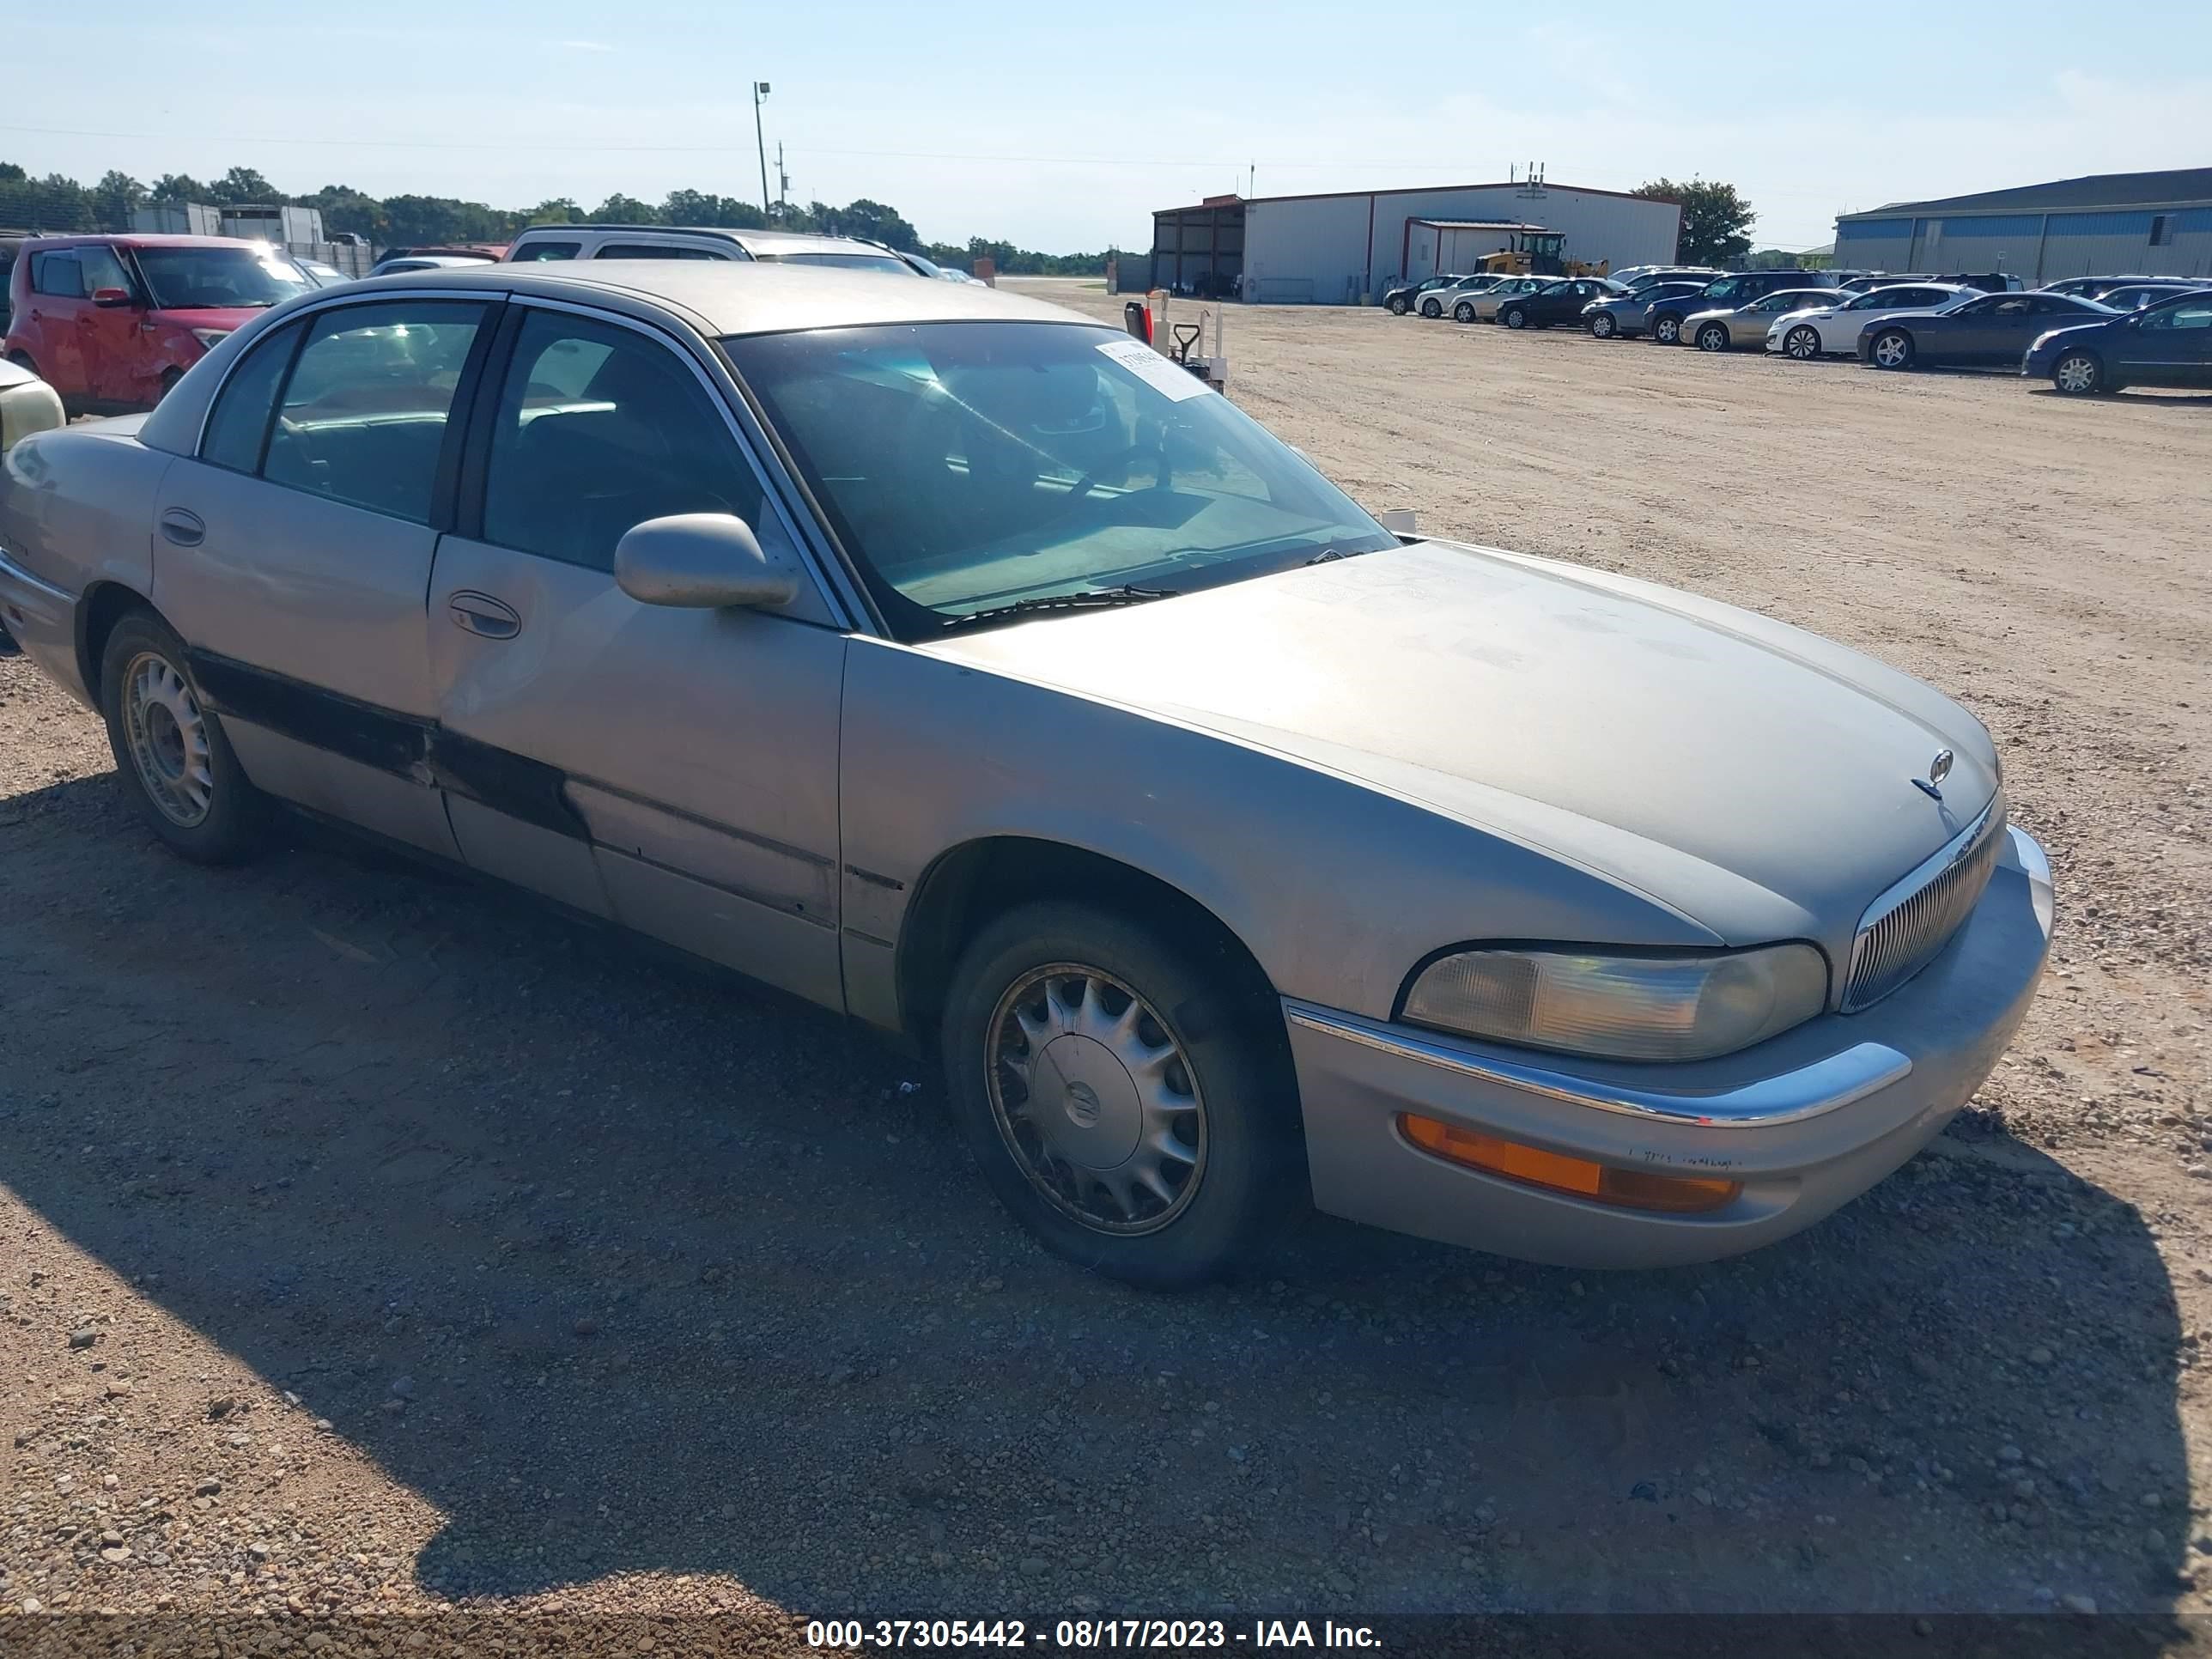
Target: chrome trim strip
1825, 1085
1865, 983
37, 583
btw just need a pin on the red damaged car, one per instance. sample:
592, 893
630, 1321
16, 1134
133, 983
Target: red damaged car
112, 322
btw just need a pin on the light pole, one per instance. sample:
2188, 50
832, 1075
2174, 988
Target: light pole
760, 91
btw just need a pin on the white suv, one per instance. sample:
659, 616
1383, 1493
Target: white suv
671, 242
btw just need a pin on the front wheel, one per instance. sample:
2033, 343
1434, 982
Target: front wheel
1802, 344
1400, 305
1133, 1111
1514, 317
175, 762
1463, 312
1432, 309
1891, 349
2078, 375
1712, 337
1604, 326
1668, 331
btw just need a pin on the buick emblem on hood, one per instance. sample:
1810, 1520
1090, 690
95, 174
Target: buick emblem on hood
1938, 769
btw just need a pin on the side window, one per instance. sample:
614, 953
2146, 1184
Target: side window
2193, 316
599, 429
240, 421
364, 417
533, 250
652, 251
58, 274
98, 268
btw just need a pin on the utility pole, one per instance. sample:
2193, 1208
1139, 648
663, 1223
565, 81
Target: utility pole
783, 180
760, 91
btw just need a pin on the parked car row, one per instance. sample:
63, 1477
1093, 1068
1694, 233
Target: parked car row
2086, 334
111, 323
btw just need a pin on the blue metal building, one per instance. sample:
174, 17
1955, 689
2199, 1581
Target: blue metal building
2159, 224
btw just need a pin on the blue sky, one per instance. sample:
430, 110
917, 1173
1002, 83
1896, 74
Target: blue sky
1062, 127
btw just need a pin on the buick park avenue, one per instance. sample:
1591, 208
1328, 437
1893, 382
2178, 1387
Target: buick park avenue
967, 667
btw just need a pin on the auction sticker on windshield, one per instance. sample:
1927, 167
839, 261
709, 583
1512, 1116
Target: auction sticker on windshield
1148, 365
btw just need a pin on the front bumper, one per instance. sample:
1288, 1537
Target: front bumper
1807, 1122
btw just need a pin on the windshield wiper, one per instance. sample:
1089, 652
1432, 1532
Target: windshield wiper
1327, 555
1088, 598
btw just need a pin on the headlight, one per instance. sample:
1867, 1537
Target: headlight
1619, 1007
209, 338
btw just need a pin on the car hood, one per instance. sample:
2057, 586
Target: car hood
2074, 331
1705, 755
227, 318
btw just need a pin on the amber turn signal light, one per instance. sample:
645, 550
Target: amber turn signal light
1555, 1172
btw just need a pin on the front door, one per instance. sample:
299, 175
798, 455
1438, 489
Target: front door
109, 340
2170, 346
674, 769
293, 554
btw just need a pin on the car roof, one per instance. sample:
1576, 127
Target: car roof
733, 297
793, 241
135, 239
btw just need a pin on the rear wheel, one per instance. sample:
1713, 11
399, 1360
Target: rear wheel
175, 762
2078, 375
1432, 309
1463, 312
1668, 331
1514, 317
1400, 305
1712, 336
1604, 326
1803, 343
169, 379
1123, 1100
1891, 349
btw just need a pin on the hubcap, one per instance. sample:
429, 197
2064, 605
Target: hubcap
1094, 1101
1602, 326
1889, 351
1669, 330
168, 737
1713, 339
2077, 374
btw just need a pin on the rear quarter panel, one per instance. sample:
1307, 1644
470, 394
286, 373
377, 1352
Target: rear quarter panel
76, 509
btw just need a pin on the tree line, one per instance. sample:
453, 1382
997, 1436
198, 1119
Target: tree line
60, 205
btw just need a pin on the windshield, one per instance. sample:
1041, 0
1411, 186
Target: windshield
842, 261
968, 466
219, 278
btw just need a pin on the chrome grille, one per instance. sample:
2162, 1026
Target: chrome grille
1904, 929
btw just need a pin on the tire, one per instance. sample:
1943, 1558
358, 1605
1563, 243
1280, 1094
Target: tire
1713, 336
2078, 375
1400, 305
1514, 317
1891, 349
1802, 344
1432, 309
1237, 1174
1463, 313
175, 762
169, 379
1667, 329
1605, 325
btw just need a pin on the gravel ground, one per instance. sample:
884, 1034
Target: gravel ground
372, 1243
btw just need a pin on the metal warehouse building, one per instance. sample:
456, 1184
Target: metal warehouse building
1345, 248
2159, 224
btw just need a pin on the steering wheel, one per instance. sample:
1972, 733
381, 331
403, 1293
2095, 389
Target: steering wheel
1106, 469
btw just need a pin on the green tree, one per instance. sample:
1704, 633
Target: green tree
621, 210
114, 195
556, 210
345, 208
1714, 219
242, 184
174, 188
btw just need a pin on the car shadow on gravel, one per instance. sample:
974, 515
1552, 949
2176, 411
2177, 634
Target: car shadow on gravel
630, 1268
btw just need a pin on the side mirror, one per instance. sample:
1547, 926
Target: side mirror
109, 298
700, 561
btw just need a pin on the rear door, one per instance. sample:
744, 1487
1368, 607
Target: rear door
294, 551
49, 328
674, 769
2169, 346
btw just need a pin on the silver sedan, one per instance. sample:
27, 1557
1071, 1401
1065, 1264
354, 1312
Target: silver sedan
965, 666
1729, 327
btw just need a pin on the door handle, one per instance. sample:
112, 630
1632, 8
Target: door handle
183, 528
482, 615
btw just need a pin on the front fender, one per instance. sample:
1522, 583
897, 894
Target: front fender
1336, 887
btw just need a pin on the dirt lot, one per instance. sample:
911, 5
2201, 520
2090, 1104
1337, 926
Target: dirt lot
371, 1241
